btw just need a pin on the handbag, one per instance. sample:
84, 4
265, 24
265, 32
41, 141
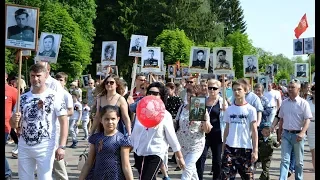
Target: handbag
83, 158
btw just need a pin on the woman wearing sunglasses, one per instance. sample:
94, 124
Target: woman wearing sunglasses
109, 93
191, 135
151, 144
213, 140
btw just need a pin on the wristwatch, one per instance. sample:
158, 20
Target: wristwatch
62, 147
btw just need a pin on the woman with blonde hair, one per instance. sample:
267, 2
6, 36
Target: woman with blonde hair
109, 92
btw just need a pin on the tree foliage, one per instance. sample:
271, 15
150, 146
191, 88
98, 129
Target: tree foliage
175, 45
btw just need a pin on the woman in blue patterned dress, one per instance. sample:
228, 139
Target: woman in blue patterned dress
109, 150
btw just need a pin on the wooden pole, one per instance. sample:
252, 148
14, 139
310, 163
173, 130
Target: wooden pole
223, 91
19, 85
133, 78
310, 74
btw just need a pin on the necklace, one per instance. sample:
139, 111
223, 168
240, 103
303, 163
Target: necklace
110, 99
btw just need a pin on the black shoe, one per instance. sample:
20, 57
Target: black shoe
159, 172
74, 144
289, 173
177, 169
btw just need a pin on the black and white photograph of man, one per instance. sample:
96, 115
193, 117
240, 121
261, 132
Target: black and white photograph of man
199, 59
150, 59
297, 46
269, 70
222, 60
301, 70
109, 53
250, 64
308, 45
185, 71
49, 47
21, 26
171, 71
85, 80
178, 72
283, 82
136, 44
263, 80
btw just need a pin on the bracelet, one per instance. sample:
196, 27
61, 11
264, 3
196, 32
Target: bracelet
62, 147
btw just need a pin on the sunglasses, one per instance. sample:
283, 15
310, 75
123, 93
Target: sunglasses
190, 82
213, 88
110, 82
153, 93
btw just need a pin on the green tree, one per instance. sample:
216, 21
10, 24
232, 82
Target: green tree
241, 46
231, 14
175, 45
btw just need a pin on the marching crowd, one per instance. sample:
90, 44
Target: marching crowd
241, 130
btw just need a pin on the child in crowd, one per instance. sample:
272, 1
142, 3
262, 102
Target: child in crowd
85, 118
75, 119
266, 145
109, 150
240, 140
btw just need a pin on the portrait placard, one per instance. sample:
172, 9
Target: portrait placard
150, 60
178, 72
21, 25
250, 65
199, 59
298, 46
308, 45
49, 47
172, 71
301, 71
263, 80
85, 80
197, 108
222, 60
109, 53
208, 76
185, 71
283, 82
99, 69
269, 70
137, 42
275, 69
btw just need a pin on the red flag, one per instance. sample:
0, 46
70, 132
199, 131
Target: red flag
302, 26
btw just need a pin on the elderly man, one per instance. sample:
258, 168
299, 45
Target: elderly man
295, 115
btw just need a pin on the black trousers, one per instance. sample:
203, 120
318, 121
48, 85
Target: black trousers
148, 166
216, 149
14, 136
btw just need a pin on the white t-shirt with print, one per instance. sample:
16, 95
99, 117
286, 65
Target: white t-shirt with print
85, 113
77, 107
240, 119
39, 113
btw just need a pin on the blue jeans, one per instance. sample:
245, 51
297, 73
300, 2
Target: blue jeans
289, 142
292, 161
7, 170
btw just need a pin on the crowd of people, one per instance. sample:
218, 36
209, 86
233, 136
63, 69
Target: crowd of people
241, 130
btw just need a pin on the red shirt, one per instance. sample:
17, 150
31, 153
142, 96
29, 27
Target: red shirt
11, 96
135, 94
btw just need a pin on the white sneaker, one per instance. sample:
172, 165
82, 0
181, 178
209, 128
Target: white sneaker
77, 131
15, 149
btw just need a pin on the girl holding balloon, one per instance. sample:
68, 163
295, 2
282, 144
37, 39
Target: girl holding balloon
109, 93
109, 150
153, 131
191, 135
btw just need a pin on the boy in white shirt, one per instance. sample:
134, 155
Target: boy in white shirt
75, 119
240, 140
85, 118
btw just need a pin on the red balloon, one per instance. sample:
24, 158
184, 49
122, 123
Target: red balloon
150, 111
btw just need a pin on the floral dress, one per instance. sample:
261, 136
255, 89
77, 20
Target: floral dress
190, 135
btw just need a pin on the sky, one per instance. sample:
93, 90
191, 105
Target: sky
271, 23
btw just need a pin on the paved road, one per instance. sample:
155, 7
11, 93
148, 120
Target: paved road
73, 154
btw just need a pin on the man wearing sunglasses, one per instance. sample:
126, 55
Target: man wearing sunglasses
190, 82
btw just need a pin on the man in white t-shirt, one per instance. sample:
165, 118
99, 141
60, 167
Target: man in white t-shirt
39, 110
275, 101
240, 140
